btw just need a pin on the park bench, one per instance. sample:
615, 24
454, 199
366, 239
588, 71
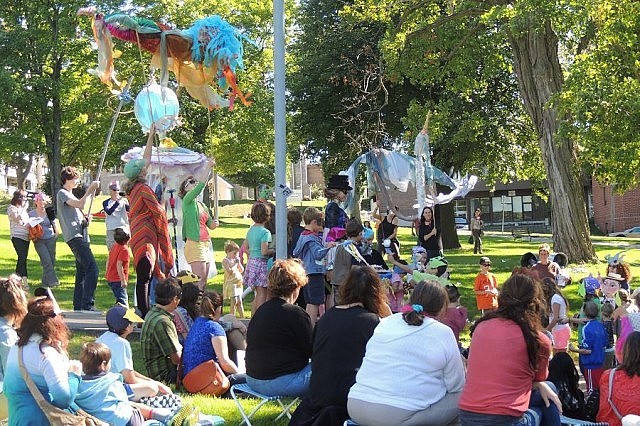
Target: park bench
519, 233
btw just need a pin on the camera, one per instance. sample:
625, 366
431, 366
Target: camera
122, 193
31, 195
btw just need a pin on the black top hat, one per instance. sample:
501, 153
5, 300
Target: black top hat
339, 182
528, 260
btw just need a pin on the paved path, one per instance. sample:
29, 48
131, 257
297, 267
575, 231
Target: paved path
87, 323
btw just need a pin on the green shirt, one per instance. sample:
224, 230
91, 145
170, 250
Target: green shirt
159, 339
191, 214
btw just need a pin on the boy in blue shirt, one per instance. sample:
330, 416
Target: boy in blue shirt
312, 253
592, 350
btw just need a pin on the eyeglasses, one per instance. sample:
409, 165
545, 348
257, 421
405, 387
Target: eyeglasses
191, 181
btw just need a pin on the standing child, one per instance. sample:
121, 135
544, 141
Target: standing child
312, 253
609, 325
486, 287
117, 274
592, 350
257, 245
232, 286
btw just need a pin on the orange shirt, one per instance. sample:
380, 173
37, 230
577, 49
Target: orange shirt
118, 252
486, 282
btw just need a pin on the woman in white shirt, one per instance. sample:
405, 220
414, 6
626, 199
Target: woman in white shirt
558, 306
19, 228
412, 372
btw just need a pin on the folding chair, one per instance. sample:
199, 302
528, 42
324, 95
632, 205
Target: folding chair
244, 388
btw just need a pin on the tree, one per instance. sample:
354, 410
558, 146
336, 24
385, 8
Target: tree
425, 37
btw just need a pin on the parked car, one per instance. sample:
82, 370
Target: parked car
461, 223
631, 232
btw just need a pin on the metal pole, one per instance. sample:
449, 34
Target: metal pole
280, 127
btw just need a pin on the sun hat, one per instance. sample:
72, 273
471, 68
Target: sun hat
340, 182
119, 318
133, 168
187, 277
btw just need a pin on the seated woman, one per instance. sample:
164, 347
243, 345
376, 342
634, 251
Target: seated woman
43, 347
279, 336
207, 340
187, 311
412, 372
623, 384
341, 334
13, 307
508, 359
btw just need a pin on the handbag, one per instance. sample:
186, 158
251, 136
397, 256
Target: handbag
207, 378
55, 415
36, 232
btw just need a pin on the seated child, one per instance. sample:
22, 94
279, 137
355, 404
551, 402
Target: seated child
592, 350
104, 395
456, 315
121, 322
395, 291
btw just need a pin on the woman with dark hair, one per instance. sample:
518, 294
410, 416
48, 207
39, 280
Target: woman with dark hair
428, 234
187, 311
150, 241
207, 340
557, 309
19, 229
279, 336
563, 374
508, 359
341, 334
620, 387
388, 230
412, 371
197, 219
43, 348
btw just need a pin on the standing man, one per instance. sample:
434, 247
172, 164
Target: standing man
545, 268
73, 223
115, 209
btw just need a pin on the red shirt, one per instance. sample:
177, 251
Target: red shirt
486, 282
118, 252
625, 396
499, 378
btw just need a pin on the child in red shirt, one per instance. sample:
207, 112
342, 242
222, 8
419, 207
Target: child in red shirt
117, 274
486, 287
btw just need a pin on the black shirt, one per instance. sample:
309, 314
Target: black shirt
278, 340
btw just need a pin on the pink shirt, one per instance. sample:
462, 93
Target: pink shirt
499, 379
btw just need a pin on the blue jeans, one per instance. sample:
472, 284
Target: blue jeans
86, 274
119, 292
294, 384
537, 414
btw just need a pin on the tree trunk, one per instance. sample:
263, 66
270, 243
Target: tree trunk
539, 76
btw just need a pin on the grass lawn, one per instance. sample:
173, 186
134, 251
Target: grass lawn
504, 252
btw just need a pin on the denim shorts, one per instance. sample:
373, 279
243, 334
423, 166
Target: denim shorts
314, 290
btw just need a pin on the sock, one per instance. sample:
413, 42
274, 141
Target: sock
161, 414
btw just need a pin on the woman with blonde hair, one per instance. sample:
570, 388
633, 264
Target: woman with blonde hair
197, 219
279, 336
412, 372
13, 307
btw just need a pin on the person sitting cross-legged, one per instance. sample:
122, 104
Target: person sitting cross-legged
161, 349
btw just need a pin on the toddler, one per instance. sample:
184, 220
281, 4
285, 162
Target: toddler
486, 287
395, 291
232, 285
117, 274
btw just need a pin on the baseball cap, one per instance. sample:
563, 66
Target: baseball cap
484, 260
119, 318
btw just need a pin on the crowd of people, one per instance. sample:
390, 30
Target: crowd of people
352, 329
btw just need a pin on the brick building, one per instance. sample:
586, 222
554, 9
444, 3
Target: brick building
614, 212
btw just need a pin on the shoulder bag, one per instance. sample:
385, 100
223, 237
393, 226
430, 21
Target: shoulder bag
55, 415
613, 406
207, 378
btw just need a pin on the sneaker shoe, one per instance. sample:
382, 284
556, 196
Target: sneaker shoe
187, 415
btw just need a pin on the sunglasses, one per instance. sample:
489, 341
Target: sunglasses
486, 264
191, 181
